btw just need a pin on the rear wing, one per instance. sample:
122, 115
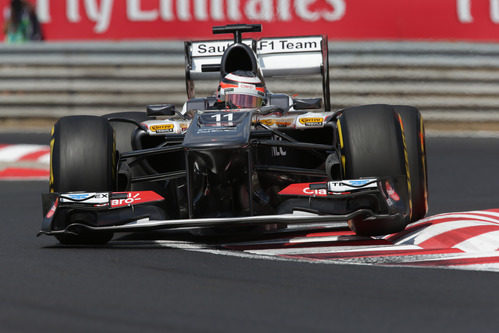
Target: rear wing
279, 56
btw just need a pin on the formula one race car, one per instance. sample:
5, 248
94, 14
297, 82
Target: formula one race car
244, 159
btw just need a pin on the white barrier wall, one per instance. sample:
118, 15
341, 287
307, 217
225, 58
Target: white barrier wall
445, 80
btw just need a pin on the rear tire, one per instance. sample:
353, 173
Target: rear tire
82, 159
372, 146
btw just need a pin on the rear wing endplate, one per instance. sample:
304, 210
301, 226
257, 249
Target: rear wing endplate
280, 56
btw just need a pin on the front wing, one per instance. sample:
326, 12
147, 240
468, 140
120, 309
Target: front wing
135, 211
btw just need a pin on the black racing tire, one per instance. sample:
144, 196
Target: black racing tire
82, 159
415, 143
371, 141
372, 145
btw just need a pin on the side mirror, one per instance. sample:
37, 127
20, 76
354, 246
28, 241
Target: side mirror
268, 109
307, 103
161, 110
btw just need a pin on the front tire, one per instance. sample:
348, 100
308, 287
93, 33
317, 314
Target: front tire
372, 145
415, 143
82, 159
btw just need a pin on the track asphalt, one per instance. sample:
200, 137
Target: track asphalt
126, 288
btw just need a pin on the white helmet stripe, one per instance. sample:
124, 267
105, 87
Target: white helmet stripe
243, 79
244, 91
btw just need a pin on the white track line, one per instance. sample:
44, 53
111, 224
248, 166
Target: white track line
14, 153
44, 159
435, 230
334, 249
484, 242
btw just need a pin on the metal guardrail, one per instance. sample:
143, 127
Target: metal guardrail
447, 81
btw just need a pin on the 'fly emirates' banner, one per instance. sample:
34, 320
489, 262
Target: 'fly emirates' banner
473, 20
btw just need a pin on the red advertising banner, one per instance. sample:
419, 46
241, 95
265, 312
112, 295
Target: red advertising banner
473, 20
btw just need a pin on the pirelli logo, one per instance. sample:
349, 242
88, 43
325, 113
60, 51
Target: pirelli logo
163, 128
311, 121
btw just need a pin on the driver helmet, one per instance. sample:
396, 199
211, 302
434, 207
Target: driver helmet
241, 90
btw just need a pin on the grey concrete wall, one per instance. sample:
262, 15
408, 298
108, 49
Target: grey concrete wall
447, 81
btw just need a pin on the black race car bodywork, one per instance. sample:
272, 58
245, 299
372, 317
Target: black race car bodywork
287, 162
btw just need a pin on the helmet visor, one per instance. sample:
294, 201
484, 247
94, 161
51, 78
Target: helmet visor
242, 101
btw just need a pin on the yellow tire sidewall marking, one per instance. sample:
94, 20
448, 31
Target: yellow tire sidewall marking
52, 141
407, 171
340, 135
